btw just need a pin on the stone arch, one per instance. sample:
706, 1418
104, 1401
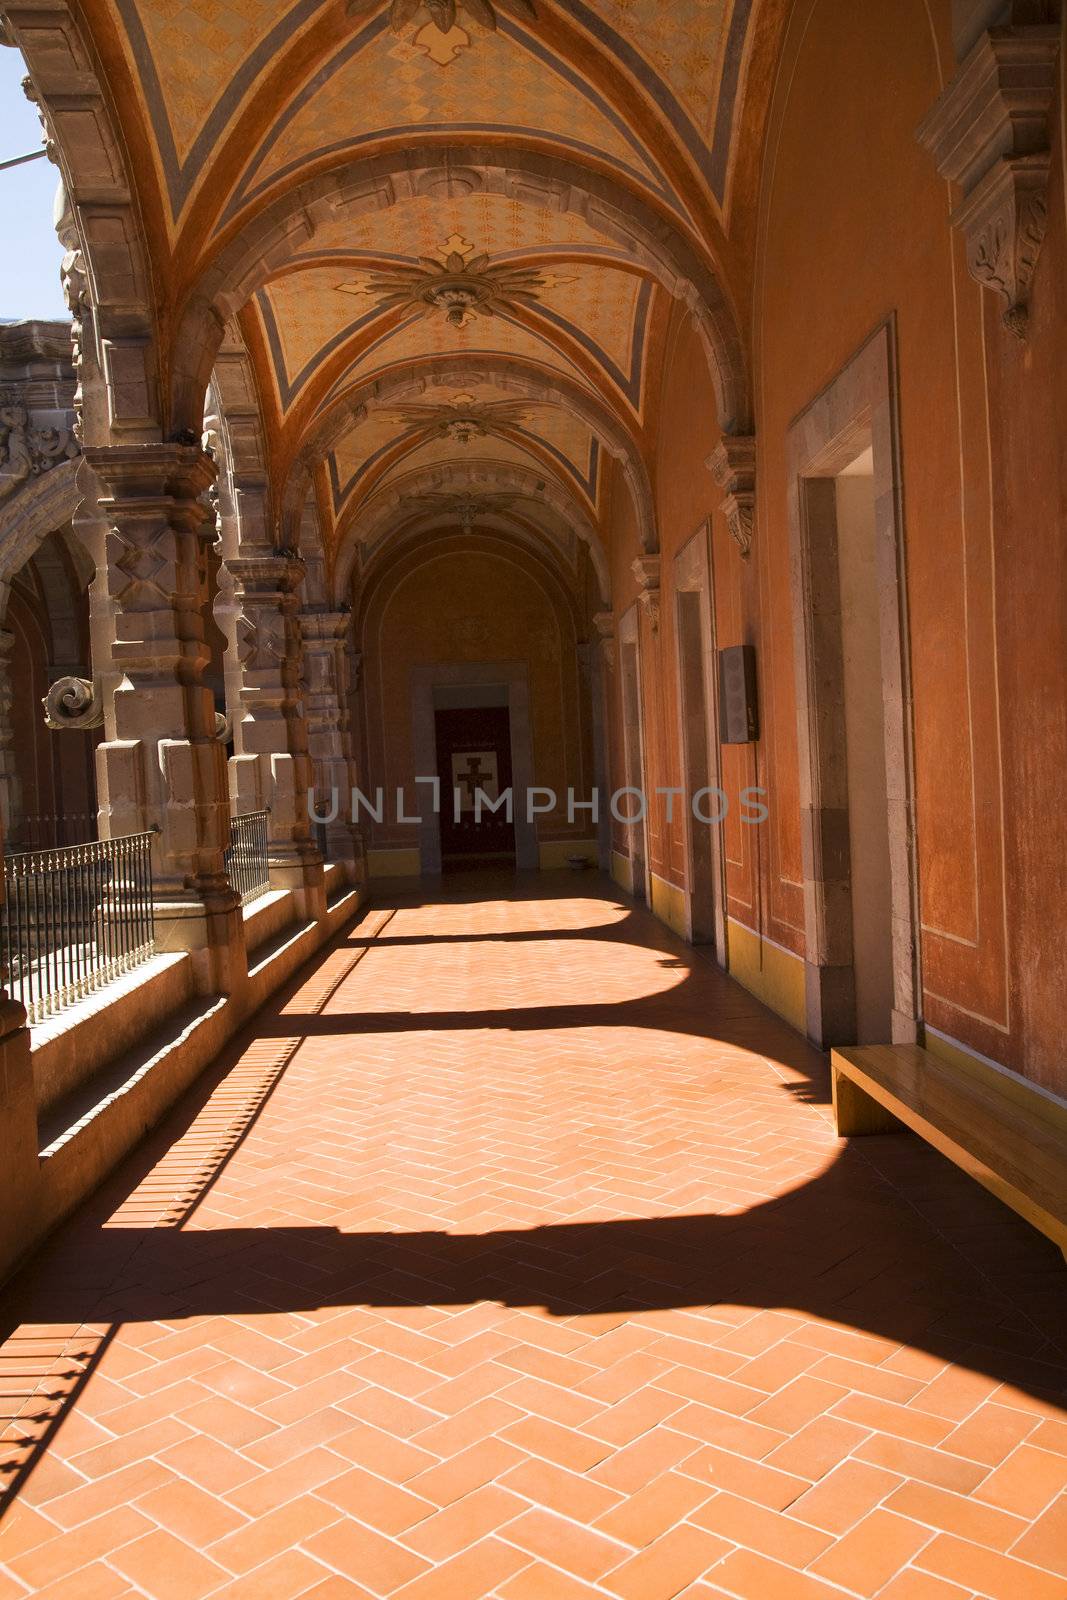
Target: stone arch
271, 239
514, 377
425, 543
106, 273
393, 511
40, 507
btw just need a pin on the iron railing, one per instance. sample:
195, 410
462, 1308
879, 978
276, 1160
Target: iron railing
246, 859
74, 919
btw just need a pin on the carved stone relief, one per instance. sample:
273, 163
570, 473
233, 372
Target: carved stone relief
989, 133
733, 466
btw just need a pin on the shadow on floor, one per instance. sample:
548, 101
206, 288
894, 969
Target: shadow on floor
889, 1240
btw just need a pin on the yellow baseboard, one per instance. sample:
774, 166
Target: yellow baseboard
622, 870
394, 863
1050, 1107
777, 979
669, 905
555, 853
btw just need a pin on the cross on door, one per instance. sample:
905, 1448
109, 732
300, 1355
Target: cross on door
474, 778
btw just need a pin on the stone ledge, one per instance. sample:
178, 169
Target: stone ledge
68, 1049
266, 916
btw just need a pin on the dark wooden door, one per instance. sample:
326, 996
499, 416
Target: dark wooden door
474, 752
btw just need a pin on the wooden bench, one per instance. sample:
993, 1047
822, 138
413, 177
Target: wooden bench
1008, 1134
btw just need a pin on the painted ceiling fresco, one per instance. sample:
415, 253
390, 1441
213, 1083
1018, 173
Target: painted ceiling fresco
392, 442
601, 312
492, 85
516, 268
683, 60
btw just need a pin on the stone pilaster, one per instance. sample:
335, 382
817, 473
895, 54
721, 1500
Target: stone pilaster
160, 768
329, 723
271, 765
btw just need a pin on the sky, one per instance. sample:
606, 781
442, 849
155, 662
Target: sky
30, 253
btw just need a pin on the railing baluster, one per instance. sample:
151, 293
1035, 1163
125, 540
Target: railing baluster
74, 918
246, 858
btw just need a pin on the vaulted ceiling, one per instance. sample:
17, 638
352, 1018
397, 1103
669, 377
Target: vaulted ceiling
449, 234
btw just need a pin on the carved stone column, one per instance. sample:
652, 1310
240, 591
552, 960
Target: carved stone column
989, 133
329, 723
159, 767
271, 765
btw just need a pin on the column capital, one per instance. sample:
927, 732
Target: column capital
325, 627
988, 132
604, 623
274, 571
646, 569
733, 466
149, 471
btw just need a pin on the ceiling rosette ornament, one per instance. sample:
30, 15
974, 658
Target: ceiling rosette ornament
466, 508
463, 419
459, 287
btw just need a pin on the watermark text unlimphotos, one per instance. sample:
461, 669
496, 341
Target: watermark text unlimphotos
629, 806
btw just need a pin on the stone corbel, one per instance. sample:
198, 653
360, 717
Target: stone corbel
646, 569
989, 133
604, 623
733, 466
73, 703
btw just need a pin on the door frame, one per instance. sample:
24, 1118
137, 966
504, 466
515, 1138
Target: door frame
693, 569
512, 676
633, 739
859, 405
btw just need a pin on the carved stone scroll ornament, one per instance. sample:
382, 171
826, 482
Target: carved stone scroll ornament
27, 450
733, 466
73, 703
646, 569
989, 133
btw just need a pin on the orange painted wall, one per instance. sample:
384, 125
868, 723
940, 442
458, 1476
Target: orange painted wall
854, 228
688, 506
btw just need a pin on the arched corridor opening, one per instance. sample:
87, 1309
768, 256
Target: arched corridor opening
532, 732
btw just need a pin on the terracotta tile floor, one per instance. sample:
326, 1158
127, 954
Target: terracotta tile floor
513, 1254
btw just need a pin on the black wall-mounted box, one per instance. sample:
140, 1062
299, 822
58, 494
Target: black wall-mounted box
738, 697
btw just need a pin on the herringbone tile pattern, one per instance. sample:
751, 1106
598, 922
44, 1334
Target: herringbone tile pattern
513, 1255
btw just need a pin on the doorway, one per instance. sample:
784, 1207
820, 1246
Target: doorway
854, 727
474, 759
695, 634
865, 736
633, 755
